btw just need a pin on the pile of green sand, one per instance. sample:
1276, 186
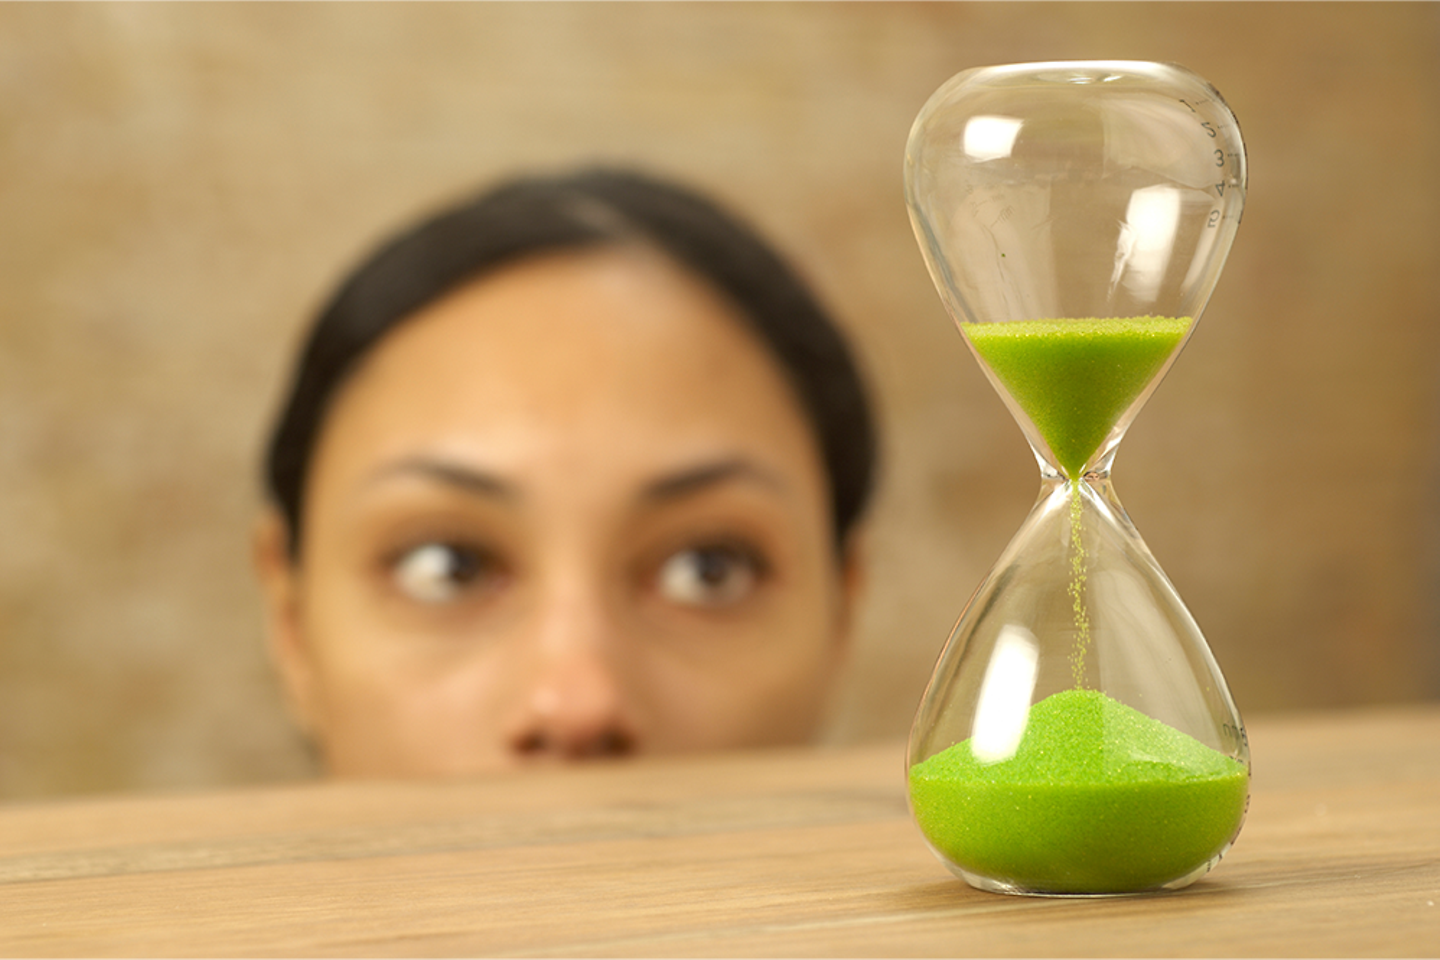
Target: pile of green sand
1098, 798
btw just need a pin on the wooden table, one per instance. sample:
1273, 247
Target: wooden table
775, 854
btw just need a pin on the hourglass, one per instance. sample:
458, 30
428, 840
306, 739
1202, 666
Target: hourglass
1077, 737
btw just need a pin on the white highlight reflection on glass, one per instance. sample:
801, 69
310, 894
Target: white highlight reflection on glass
1004, 704
990, 138
1147, 238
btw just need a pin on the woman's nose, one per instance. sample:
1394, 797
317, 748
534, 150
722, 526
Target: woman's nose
574, 706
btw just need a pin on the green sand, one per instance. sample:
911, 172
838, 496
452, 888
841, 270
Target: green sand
1074, 378
1097, 799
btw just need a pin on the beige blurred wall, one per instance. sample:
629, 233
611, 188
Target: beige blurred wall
180, 183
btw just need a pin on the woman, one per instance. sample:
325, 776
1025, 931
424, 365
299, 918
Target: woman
571, 470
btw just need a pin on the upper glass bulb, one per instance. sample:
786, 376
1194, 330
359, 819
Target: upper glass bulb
1076, 191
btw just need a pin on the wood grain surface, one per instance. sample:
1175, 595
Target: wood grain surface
784, 853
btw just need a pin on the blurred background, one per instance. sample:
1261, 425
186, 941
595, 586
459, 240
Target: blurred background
180, 185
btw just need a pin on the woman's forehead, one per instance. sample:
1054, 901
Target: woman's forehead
614, 349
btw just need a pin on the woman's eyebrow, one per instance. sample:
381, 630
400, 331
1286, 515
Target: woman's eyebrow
463, 477
693, 479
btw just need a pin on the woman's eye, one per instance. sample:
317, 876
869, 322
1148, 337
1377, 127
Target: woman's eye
441, 572
709, 576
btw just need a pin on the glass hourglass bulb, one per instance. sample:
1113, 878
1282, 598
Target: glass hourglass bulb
1077, 737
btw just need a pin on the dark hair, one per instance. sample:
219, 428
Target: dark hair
589, 208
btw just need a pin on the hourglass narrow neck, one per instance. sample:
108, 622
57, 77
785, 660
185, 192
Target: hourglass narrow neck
1094, 473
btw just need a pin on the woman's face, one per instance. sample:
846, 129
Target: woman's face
571, 510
